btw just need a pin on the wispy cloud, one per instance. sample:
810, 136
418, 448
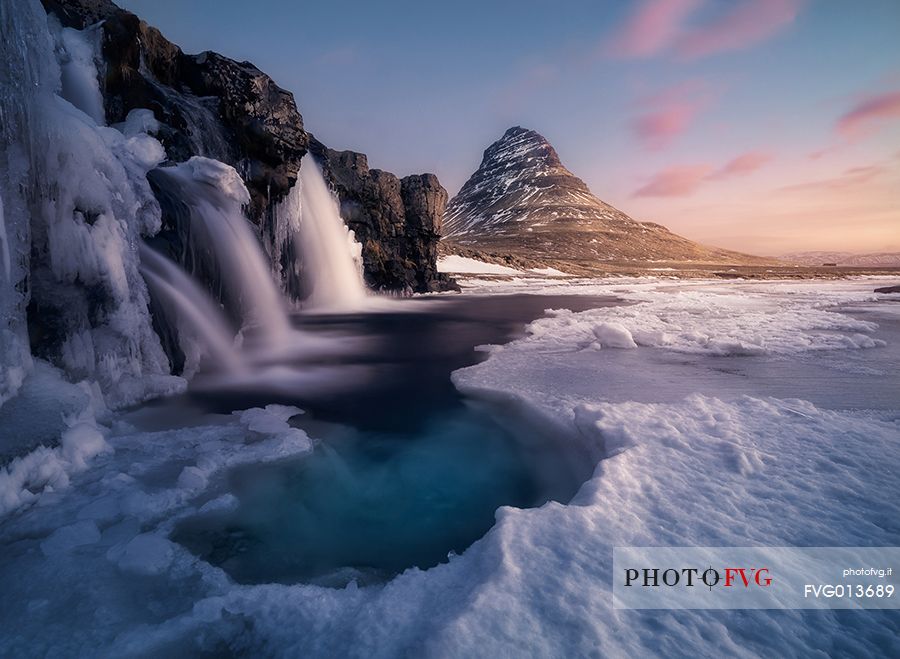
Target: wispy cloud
744, 164
853, 177
676, 181
672, 112
743, 25
652, 28
659, 26
867, 114
684, 180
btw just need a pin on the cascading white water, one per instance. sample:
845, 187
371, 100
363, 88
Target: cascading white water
193, 307
328, 247
214, 193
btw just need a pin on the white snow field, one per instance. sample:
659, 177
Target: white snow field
464, 265
715, 414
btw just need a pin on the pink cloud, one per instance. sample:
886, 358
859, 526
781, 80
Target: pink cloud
658, 128
745, 24
683, 180
742, 165
866, 114
673, 111
676, 181
853, 177
652, 28
661, 25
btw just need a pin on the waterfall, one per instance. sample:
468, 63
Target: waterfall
204, 198
214, 194
193, 306
328, 247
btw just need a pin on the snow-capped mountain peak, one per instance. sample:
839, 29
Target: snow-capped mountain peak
521, 179
523, 201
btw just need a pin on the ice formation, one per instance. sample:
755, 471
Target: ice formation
77, 52
76, 202
682, 319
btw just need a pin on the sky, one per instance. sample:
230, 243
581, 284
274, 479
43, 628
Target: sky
766, 126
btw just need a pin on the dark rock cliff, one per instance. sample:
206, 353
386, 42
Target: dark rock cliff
210, 105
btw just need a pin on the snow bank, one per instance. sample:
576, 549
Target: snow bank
706, 322
549, 272
463, 265
46, 469
700, 472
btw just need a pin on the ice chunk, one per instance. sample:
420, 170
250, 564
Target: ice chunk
614, 335
221, 176
192, 478
138, 121
146, 554
48, 469
272, 420
707, 322
71, 537
81, 442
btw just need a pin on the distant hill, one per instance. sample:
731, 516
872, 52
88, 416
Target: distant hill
874, 260
522, 201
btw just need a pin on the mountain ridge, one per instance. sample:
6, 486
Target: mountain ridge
523, 201
820, 257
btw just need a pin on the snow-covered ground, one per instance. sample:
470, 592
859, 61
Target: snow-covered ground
714, 413
462, 265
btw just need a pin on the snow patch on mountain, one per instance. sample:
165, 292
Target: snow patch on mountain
461, 265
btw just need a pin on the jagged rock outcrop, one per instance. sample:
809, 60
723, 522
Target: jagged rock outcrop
397, 221
213, 106
523, 202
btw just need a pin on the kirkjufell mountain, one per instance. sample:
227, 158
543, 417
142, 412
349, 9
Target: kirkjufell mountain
523, 202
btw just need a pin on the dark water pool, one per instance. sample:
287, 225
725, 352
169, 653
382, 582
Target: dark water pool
406, 470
